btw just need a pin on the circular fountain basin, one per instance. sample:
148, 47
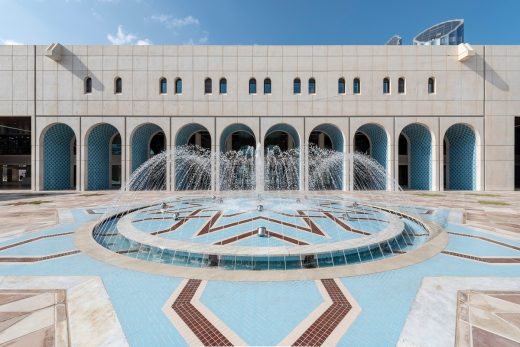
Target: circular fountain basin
311, 232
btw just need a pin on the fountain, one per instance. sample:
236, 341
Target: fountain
315, 229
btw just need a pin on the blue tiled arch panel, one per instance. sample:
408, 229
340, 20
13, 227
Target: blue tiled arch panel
462, 157
57, 157
232, 129
286, 128
184, 134
335, 135
378, 142
140, 143
420, 156
99, 156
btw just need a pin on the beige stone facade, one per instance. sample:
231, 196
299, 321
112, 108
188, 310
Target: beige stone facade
481, 92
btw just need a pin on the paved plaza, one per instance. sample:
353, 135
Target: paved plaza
467, 292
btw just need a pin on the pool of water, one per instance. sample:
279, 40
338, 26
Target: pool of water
300, 232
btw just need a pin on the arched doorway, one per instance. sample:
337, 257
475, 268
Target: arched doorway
147, 141
103, 158
326, 160
372, 141
415, 157
460, 158
193, 158
59, 157
281, 158
237, 158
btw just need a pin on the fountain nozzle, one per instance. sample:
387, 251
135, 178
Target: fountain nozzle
261, 232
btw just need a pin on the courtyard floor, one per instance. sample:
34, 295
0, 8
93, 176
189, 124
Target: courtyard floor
54, 294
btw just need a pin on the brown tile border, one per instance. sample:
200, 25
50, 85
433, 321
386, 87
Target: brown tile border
34, 239
205, 331
253, 232
176, 225
324, 325
500, 243
490, 260
37, 259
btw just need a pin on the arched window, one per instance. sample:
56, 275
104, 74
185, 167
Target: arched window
312, 86
401, 86
341, 86
297, 86
178, 85
252, 86
163, 86
431, 85
267, 86
386, 85
118, 85
356, 86
223, 86
88, 85
208, 86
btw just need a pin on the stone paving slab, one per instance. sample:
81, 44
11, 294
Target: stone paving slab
437, 309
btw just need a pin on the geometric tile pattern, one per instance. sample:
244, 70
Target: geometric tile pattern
320, 330
461, 157
207, 333
141, 143
334, 134
420, 156
99, 151
33, 318
200, 326
45, 311
378, 151
378, 142
57, 157
212, 225
488, 318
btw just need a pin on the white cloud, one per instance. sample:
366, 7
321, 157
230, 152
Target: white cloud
10, 42
182, 22
144, 42
185, 29
175, 23
161, 18
122, 38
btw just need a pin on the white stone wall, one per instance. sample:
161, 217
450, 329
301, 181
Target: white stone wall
484, 94
60, 87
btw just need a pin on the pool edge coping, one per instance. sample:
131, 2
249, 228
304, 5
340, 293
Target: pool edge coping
84, 240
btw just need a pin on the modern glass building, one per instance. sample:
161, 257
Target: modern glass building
446, 33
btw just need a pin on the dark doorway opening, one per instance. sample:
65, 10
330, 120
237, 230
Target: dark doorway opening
517, 153
15, 152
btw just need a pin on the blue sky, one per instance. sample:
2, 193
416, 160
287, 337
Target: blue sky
250, 22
